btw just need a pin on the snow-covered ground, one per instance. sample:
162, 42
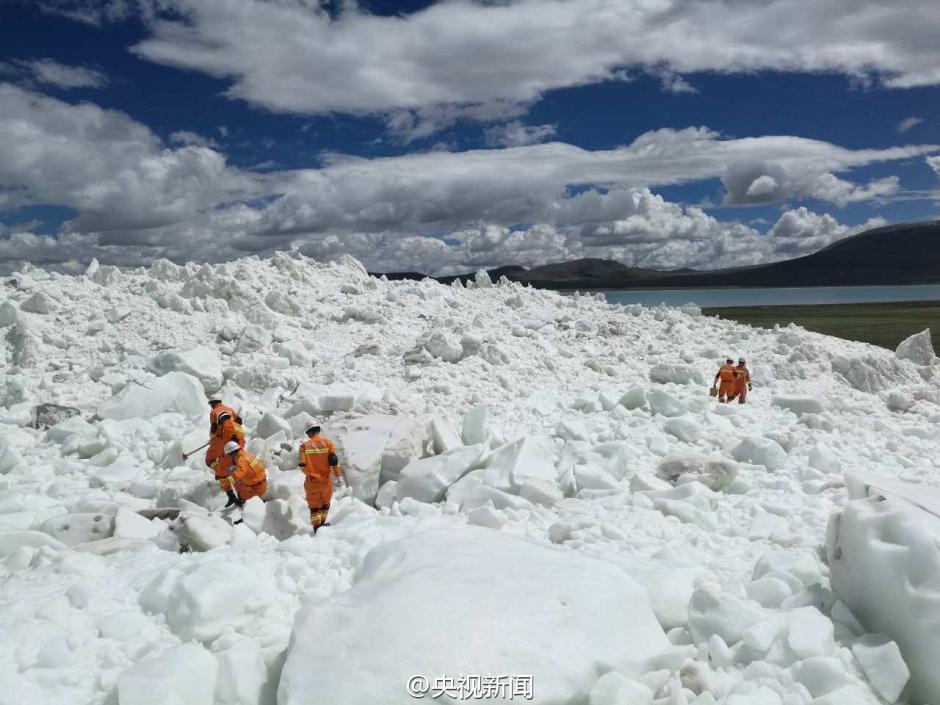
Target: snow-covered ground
633, 541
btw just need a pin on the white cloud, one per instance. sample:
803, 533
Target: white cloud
53, 73
828, 187
673, 83
111, 169
934, 163
799, 232
187, 138
529, 184
295, 56
94, 12
516, 134
137, 199
763, 187
657, 235
752, 181
907, 123
411, 125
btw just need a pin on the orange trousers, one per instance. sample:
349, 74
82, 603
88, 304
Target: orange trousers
740, 391
246, 492
726, 389
319, 493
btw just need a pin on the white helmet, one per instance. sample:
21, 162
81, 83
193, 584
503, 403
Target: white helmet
231, 447
215, 399
312, 426
741, 359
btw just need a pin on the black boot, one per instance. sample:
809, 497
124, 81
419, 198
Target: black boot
232, 499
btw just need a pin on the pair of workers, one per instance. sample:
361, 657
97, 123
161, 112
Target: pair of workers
242, 476
225, 434
733, 382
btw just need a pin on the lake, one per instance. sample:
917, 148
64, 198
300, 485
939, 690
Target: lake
723, 298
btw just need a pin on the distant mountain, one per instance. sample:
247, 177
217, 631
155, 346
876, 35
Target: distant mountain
894, 254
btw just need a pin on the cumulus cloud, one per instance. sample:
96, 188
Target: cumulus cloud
54, 73
828, 187
307, 57
763, 188
137, 199
759, 182
656, 235
486, 246
437, 190
114, 171
907, 123
801, 231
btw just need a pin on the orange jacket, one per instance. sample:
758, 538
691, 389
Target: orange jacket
726, 373
217, 410
742, 375
248, 470
315, 456
228, 431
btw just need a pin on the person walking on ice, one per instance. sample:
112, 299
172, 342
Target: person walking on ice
225, 430
742, 381
726, 376
248, 476
319, 462
216, 407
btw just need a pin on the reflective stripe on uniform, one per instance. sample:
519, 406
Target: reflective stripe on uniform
316, 450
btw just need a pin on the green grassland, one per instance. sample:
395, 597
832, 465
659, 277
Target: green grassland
879, 324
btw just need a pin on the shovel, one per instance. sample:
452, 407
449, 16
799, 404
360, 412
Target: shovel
195, 450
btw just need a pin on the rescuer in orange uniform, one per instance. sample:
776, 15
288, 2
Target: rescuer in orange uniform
742, 381
216, 407
726, 377
225, 430
319, 462
247, 473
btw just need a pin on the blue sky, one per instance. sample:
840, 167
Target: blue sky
387, 131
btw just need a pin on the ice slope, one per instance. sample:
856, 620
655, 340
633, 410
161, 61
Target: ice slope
558, 420
447, 599
884, 550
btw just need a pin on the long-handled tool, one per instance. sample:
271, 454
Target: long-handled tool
195, 450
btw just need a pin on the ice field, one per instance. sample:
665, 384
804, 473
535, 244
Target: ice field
541, 486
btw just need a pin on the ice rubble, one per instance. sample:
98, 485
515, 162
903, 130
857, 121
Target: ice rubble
884, 549
180, 674
917, 348
443, 599
202, 363
554, 420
